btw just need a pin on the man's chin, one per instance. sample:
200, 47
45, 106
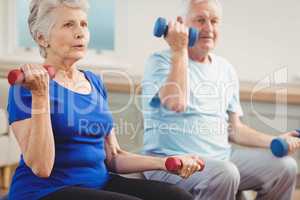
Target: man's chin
205, 48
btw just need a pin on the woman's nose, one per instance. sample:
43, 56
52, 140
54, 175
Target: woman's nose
79, 33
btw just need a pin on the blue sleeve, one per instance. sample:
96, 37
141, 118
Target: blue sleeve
19, 104
156, 73
97, 81
102, 87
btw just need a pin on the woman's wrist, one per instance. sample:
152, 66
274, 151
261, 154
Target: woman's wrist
163, 164
40, 94
40, 104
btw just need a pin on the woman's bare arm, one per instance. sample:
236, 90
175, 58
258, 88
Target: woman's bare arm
124, 162
35, 135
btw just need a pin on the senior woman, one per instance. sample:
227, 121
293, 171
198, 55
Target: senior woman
64, 127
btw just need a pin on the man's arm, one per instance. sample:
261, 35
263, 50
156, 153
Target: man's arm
241, 134
173, 93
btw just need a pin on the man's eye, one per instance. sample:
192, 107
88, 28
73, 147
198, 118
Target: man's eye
214, 21
68, 24
201, 21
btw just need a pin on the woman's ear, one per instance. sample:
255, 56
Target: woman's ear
42, 40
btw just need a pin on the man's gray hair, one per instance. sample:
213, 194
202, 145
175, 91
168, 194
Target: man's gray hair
41, 18
185, 6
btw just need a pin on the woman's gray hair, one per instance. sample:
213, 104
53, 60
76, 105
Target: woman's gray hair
186, 5
41, 18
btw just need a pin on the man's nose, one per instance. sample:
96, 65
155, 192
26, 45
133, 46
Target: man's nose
208, 26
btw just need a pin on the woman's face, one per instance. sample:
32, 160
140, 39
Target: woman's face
70, 35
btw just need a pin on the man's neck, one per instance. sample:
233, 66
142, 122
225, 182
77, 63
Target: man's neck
201, 57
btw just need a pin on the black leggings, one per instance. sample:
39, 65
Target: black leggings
120, 188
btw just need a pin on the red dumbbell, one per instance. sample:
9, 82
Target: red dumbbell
173, 164
16, 76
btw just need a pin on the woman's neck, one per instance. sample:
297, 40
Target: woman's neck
64, 69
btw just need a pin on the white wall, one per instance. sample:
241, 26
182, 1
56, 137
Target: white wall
261, 36
140, 21
2, 6
257, 36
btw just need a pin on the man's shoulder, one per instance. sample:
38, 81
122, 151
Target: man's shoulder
223, 63
221, 60
164, 54
226, 66
157, 61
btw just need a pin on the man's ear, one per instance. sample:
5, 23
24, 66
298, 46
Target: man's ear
180, 19
42, 40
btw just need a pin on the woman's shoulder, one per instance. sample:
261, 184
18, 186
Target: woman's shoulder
95, 79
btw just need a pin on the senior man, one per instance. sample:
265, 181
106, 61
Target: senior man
191, 106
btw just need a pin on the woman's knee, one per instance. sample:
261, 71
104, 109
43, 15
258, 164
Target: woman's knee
176, 193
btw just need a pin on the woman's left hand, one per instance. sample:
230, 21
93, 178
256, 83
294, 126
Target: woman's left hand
190, 165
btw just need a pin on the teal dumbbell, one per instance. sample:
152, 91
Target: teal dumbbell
161, 29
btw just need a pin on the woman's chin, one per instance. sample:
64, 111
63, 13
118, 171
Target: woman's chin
77, 56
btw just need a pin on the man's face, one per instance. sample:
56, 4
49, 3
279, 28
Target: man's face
206, 18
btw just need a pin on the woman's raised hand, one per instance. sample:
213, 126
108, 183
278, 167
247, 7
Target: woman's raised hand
36, 79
